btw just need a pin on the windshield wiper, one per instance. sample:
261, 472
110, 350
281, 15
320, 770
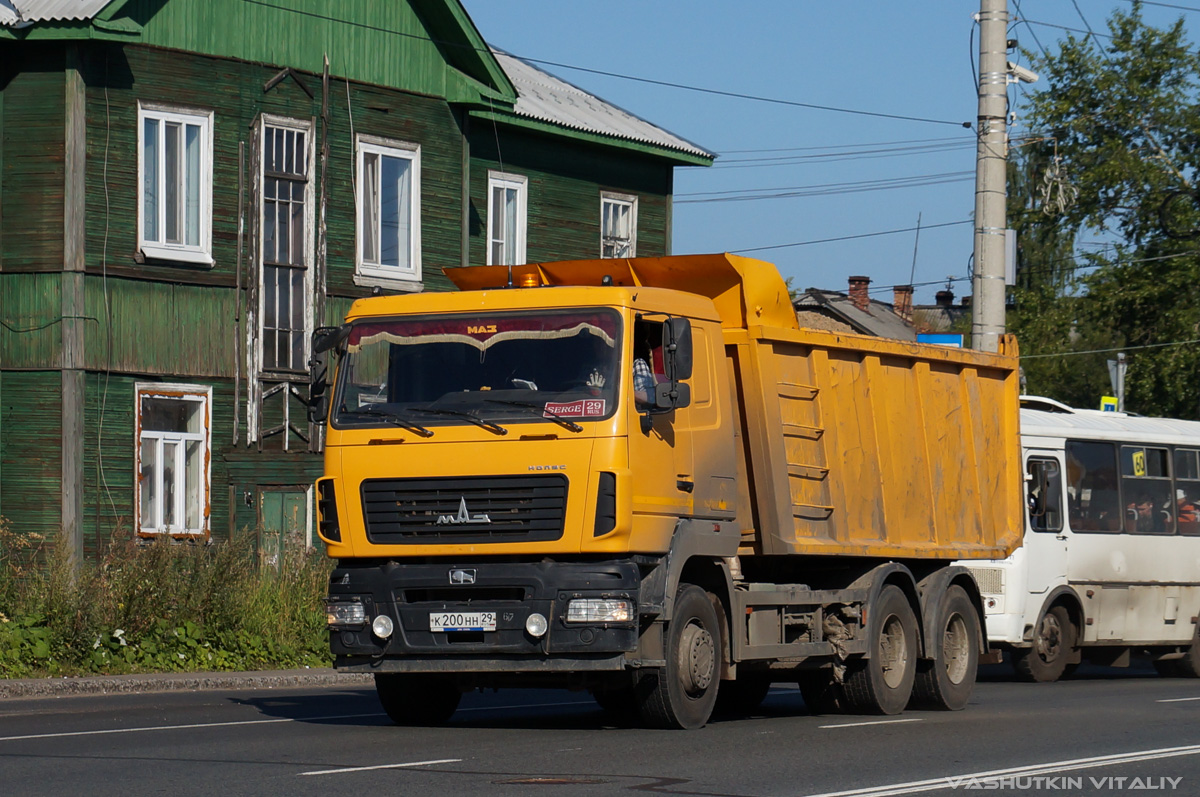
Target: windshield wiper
475, 419
560, 420
392, 417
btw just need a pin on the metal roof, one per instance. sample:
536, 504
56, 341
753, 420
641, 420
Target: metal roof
878, 319
543, 97
1061, 421
18, 13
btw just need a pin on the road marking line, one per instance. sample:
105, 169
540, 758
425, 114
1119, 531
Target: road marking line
381, 766
959, 781
871, 722
184, 727
1178, 700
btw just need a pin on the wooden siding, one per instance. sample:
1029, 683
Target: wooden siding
30, 450
31, 135
31, 311
160, 328
565, 181
386, 44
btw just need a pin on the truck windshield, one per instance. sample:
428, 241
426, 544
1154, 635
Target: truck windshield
426, 371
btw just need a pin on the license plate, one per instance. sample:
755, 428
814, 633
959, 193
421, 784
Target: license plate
462, 621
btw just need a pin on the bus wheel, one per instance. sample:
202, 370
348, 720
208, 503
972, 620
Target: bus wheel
883, 683
1189, 665
947, 681
417, 699
682, 694
1053, 644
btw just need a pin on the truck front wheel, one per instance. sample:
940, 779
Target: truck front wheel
417, 699
682, 694
883, 683
947, 681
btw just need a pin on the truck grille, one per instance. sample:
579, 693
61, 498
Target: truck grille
464, 510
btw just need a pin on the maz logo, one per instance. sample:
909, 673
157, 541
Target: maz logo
473, 330
462, 517
458, 576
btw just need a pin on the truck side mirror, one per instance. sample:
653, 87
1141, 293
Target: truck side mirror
318, 388
324, 339
672, 395
677, 349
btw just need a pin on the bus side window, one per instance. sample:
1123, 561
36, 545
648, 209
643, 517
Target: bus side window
1187, 490
1045, 495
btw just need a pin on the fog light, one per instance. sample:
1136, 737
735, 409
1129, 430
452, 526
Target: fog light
536, 625
339, 614
599, 610
382, 626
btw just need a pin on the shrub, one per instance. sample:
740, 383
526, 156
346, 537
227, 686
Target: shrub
159, 606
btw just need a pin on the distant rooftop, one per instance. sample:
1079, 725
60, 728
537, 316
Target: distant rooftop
546, 98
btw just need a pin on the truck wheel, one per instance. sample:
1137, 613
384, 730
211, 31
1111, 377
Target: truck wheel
821, 695
741, 697
946, 681
682, 694
417, 699
1053, 644
883, 683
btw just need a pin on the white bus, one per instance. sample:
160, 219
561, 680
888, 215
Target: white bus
1110, 562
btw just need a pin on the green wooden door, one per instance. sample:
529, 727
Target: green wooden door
283, 523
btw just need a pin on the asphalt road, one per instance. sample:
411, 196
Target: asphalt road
1104, 732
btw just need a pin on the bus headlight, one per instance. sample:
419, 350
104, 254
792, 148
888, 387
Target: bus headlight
599, 610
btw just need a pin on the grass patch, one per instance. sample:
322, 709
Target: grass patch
162, 606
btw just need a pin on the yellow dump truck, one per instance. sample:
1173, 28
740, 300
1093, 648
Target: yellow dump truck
642, 477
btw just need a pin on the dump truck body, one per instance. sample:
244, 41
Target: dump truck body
642, 477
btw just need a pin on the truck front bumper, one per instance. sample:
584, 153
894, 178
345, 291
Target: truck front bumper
408, 593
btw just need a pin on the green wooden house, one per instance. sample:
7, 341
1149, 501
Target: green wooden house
189, 187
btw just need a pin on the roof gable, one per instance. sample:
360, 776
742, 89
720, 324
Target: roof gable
424, 46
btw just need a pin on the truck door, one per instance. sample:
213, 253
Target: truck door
661, 456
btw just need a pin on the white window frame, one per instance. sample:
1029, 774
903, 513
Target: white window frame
201, 395
308, 129
519, 183
374, 273
628, 200
201, 253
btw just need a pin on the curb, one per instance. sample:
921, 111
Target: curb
177, 682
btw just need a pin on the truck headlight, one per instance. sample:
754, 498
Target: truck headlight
599, 610
345, 614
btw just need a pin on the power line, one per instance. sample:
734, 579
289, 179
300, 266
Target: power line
848, 237
605, 73
827, 189
1105, 351
849, 146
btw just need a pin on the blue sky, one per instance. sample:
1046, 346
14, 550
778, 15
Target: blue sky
901, 59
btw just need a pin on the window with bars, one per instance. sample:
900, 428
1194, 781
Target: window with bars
507, 201
175, 184
618, 225
173, 454
389, 209
285, 249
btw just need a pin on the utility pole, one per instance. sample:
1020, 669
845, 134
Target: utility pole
987, 283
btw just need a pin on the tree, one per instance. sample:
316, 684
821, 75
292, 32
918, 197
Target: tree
1119, 122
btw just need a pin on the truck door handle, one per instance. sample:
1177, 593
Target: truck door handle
686, 485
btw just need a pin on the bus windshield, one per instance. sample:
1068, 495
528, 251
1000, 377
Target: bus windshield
482, 369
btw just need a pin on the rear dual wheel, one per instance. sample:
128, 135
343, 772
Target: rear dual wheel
417, 698
883, 683
946, 682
